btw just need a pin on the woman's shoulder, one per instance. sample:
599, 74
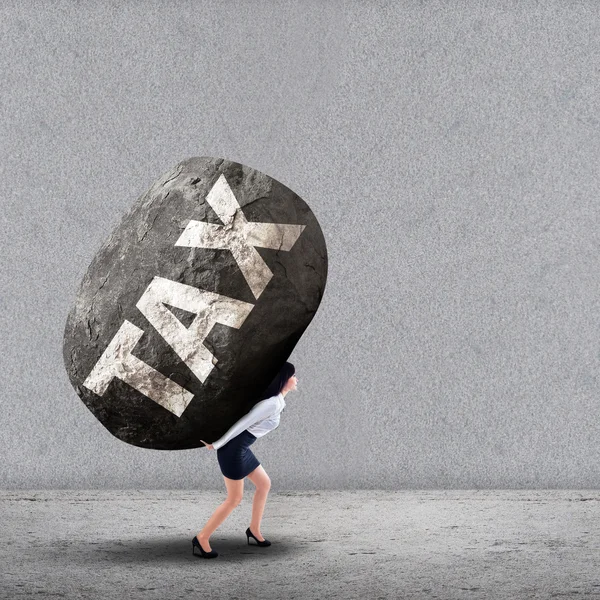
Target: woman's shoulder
277, 403
271, 401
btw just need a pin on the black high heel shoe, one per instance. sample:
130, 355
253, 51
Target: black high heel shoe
203, 553
265, 542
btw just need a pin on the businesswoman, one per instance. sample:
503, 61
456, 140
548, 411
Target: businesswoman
237, 461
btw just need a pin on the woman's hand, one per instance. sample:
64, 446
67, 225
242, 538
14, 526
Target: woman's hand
209, 446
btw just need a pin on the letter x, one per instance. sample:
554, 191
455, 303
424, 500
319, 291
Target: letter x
239, 236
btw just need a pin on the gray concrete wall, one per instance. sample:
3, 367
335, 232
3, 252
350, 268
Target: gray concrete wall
448, 149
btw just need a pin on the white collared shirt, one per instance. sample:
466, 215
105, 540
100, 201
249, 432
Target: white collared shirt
263, 417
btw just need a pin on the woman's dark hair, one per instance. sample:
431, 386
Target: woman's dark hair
286, 371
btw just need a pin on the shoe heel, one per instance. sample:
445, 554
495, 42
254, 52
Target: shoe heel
203, 553
265, 542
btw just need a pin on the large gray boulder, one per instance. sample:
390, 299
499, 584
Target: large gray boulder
192, 305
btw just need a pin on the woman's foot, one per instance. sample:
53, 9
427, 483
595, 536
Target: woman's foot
259, 542
258, 536
203, 553
204, 543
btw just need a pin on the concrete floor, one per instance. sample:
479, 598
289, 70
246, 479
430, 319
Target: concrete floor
325, 544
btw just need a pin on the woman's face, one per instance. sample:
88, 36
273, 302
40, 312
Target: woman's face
291, 384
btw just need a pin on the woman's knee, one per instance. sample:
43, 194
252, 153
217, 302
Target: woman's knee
234, 499
235, 491
263, 484
260, 479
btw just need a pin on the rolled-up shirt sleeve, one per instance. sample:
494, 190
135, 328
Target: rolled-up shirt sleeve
260, 411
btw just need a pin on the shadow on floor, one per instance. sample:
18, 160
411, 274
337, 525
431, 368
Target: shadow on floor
174, 550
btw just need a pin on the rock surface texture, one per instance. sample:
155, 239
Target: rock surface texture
193, 304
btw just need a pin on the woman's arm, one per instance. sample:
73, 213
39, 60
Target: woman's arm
260, 411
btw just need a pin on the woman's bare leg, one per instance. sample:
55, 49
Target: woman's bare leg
262, 482
235, 493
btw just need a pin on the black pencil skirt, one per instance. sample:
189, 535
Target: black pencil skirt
235, 457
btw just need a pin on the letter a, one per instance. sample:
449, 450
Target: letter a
210, 308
